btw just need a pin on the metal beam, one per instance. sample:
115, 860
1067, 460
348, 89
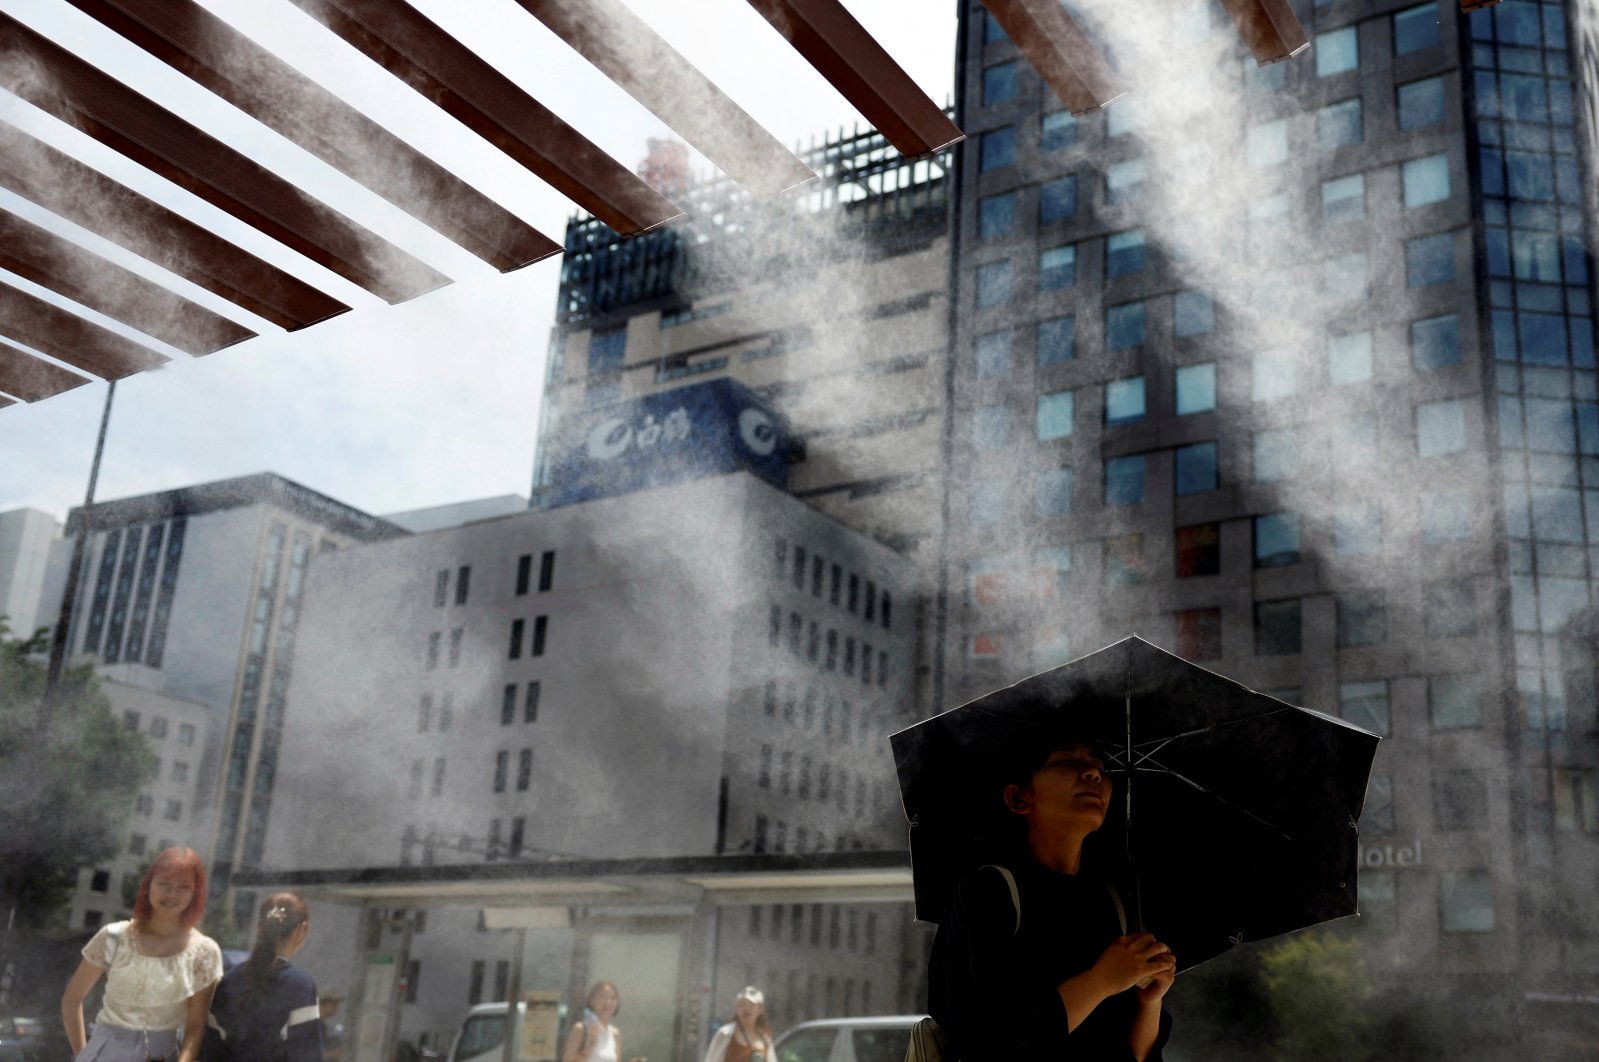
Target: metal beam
67, 337
212, 53
41, 256
60, 83
66, 187
1060, 51
854, 63
625, 49
411, 47
31, 378
1270, 28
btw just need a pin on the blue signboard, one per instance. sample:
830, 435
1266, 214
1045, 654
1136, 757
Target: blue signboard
706, 429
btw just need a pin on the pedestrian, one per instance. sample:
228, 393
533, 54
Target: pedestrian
159, 970
594, 1038
265, 1010
1033, 960
748, 1037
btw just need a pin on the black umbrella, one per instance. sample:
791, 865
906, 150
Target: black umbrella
1233, 815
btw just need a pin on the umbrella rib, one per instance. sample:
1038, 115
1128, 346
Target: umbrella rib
1158, 742
1221, 799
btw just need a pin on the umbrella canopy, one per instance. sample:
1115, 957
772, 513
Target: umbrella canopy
1233, 815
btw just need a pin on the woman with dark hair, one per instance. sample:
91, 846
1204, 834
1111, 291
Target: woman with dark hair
159, 971
1032, 959
266, 1010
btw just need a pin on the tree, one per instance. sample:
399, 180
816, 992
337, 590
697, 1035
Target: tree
65, 794
1318, 990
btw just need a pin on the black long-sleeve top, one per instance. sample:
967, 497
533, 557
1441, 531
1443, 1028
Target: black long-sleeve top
992, 985
279, 1023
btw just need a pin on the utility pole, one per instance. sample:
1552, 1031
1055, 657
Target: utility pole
69, 596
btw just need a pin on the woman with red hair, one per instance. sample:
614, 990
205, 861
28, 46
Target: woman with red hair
159, 970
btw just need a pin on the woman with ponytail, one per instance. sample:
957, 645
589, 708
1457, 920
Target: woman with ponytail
266, 1010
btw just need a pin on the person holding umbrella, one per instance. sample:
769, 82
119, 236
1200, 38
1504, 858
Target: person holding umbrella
1032, 959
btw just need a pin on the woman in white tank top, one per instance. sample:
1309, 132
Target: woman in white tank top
595, 1038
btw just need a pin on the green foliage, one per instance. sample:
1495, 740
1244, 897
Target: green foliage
64, 795
1319, 992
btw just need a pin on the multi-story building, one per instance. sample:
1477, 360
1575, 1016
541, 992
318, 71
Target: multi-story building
26, 536
1291, 370
195, 593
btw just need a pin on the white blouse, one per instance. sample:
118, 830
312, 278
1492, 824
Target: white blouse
148, 991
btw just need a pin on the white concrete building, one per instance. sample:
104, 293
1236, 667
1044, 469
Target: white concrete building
26, 537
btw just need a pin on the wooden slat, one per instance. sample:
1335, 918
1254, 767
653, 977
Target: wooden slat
1059, 50
211, 52
56, 81
1270, 28
66, 187
625, 49
404, 42
75, 340
62, 266
841, 50
31, 378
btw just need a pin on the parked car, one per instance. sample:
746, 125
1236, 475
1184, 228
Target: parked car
882, 1039
482, 1035
21, 1040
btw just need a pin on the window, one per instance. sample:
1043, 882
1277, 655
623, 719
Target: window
987, 503
1339, 125
546, 570
146, 804
1052, 566
1365, 704
1276, 540
1468, 901
508, 705
1198, 550
434, 641
996, 214
1425, 180
1193, 313
1430, 260
174, 811
1274, 376
463, 580
1124, 326
1124, 253
1057, 130
1055, 411
524, 770
441, 588
1052, 492
438, 782
993, 33
1124, 401
1378, 814
1057, 268
1276, 455
1445, 516
992, 355
1277, 627
1196, 388
1451, 608
1349, 359
1421, 103
1057, 200
1266, 144
424, 718
999, 83
502, 769
541, 627
1195, 468
1356, 440
186, 734
1357, 531
1343, 198
1435, 342
1416, 28
100, 881
1345, 277
990, 427
1454, 702
158, 727
1124, 180
1199, 634
997, 149
1440, 428
137, 844
1337, 51
1362, 619
993, 284
1056, 340
1459, 799
517, 627
1124, 560
524, 573
180, 771
1124, 480
455, 646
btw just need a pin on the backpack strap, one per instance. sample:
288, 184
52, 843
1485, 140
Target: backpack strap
1015, 896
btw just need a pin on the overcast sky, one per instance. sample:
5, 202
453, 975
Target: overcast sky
390, 407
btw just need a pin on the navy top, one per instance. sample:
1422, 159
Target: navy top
278, 1023
992, 986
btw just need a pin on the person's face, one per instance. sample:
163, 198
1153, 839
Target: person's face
171, 892
604, 1002
1070, 787
747, 1011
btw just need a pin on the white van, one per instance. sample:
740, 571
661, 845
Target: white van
881, 1039
481, 1037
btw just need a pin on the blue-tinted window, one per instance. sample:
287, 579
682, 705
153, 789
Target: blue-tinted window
1435, 342
1425, 180
1517, 23
1124, 401
990, 427
1430, 260
992, 358
1523, 98
1057, 199
1421, 103
1124, 326
1057, 340
993, 32
998, 148
1445, 516
1276, 455
1195, 468
1339, 124
1052, 492
1000, 82
607, 350
1057, 268
1124, 180
993, 283
1277, 627
1531, 176
1057, 129
1349, 358
1124, 253
1124, 480
1196, 388
1276, 540
1416, 28
1337, 51
1055, 412
1543, 338
996, 214
1193, 313
985, 507
1343, 198
1440, 428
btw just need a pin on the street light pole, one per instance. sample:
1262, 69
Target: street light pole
69, 595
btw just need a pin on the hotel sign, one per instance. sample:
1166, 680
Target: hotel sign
1374, 857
